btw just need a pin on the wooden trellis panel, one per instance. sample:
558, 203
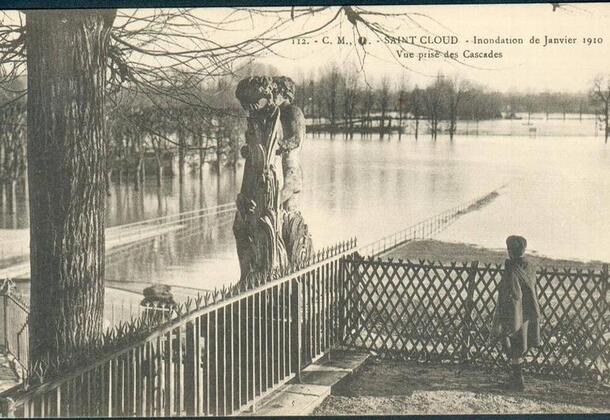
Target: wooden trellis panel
432, 311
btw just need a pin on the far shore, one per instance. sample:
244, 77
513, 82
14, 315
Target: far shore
434, 250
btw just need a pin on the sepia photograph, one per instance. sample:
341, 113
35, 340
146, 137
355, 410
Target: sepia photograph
304, 210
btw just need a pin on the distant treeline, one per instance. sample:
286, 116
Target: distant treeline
343, 98
204, 123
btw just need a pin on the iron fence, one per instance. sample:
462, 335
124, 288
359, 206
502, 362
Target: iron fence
14, 328
214, 360
15, 333
222, 358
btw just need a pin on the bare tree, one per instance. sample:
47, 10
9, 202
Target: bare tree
401, 105
351, 97
434, 101
546, 102
529, 104
367, 106
12, 150
600, 95
384, 102
331, 82
456, 90
416, 106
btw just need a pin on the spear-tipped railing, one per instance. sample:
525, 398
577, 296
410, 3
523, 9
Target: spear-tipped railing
216, 355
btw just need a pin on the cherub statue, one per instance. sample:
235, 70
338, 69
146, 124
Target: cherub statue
293, 128
269, 230
295, 232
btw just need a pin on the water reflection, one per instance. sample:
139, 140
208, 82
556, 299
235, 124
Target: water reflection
14, 206
186, 257
126, 205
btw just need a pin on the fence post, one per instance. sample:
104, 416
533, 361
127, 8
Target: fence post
296, 309
341, 310
603, 302
191, 365
467, 320
6, 323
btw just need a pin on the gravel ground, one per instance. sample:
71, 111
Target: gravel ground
396, 387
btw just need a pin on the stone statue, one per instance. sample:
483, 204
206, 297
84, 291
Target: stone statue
269, 229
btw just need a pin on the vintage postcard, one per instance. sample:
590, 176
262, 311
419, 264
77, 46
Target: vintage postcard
305, 210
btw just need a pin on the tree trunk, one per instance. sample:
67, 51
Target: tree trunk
11, 187
218, 153
108, 178
236, 154
201, 155
181, 156
159, 201
400, 122
172, 165
159, 171
452, 127
607, 120
66, 61
137, 176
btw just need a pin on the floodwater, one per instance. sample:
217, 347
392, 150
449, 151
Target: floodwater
554, 190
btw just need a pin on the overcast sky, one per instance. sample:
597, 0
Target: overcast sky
525, 67
567, 67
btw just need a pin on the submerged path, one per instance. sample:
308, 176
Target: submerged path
427, 228
117, 237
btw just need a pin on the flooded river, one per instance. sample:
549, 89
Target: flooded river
555, 190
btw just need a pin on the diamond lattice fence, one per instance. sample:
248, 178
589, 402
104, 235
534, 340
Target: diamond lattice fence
432, 311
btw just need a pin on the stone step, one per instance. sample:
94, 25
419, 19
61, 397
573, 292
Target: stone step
317, 382
292, 400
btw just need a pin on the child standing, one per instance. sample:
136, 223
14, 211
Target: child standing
517, 312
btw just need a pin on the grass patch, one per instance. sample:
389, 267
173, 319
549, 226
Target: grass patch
434, 250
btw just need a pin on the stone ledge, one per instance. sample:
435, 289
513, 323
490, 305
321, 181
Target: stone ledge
317, 382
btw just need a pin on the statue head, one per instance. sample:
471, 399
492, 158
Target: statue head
255, 93
258, 94
284, 89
